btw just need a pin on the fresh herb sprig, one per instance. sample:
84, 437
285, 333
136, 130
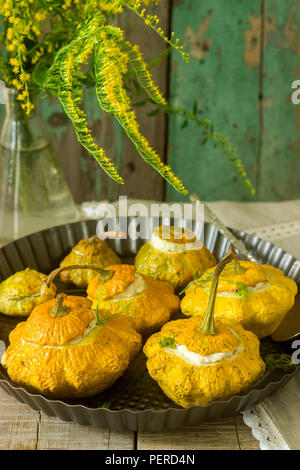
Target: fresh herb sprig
102, 318
241, 288
279, 361
168, 342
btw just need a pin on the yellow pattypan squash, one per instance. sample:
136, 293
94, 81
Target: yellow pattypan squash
146, 302
196, 362
92, 251
174, 255
24, 290
62, 350
257, 296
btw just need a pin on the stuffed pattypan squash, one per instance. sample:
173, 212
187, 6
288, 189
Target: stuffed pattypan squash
92, 251
65, 350
24, 290
196, 362
256, 295
173, 254
147, 302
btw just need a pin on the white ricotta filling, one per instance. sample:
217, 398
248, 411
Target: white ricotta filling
137, 287
259, 287
172, 247
197, 360
91, 326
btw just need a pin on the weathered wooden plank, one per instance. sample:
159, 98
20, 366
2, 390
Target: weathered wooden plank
22, 428
86, 179
141, 180
279, 177
223, 39
18, 424
55, 434
245, 437
220, 436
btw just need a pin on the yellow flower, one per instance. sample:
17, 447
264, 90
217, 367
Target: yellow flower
14, 61
17, 84
40, 16
24, 76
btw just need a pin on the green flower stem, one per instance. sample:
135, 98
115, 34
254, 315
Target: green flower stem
208, 325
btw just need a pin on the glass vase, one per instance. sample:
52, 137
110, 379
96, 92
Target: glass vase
33, 192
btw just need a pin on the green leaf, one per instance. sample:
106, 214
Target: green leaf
154, 112
137, 86
184, 124
139, 103
279, 361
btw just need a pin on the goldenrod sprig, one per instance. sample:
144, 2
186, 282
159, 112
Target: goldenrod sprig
153, 21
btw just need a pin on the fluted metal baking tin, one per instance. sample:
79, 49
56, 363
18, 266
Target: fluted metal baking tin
44, 250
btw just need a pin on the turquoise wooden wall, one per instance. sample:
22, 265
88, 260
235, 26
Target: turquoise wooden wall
244, 57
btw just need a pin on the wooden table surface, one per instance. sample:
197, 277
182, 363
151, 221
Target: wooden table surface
22, 428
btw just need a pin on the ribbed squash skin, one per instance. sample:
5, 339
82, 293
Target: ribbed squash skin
177, 268
261, 312
146, 311
18, 292
41, 357
91, 251
189, 385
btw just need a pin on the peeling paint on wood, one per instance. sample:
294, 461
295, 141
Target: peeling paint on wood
198, 45
226, 91
280, 162
253, 41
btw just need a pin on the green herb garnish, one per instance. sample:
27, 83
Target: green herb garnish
279, 361
168, 342
102, 318
242, 289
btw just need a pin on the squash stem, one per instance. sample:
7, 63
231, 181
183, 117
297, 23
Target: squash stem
104, 274
208, 324
237, 268
59, 310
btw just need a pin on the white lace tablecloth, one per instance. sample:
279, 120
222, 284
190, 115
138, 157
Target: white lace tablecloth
276, 421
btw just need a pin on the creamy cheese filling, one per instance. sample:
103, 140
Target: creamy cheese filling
197, 360
137, 287
91, 326
259, 287
173, 247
